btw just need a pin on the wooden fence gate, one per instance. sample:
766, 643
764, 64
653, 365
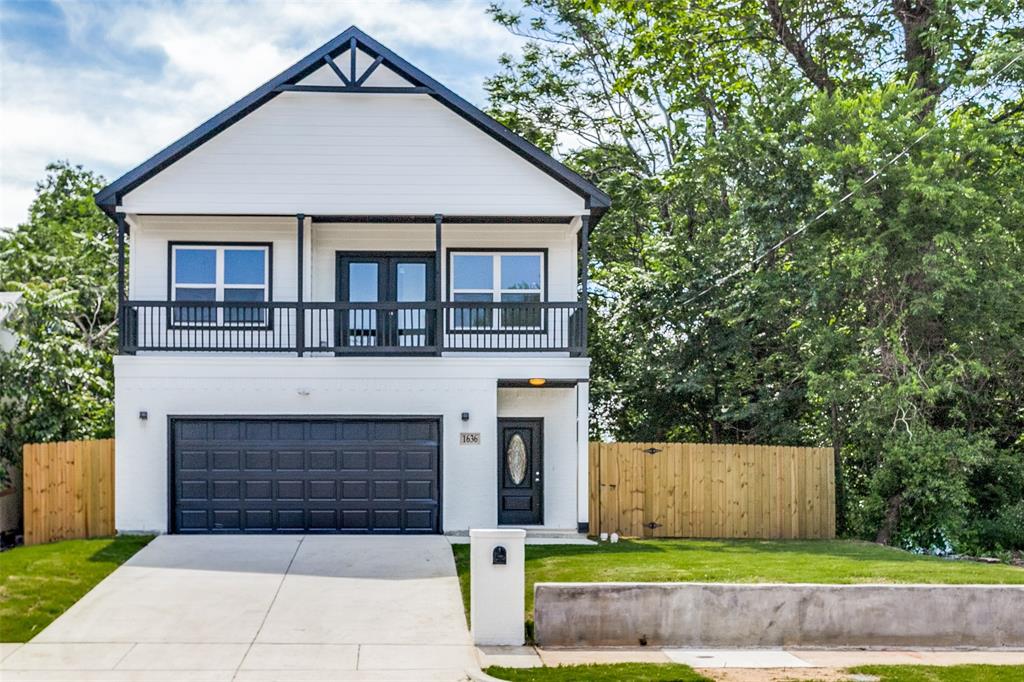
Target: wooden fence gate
68, 490
711, 491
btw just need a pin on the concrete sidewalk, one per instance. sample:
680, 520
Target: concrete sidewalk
234, 607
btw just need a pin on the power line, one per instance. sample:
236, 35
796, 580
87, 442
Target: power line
836, 204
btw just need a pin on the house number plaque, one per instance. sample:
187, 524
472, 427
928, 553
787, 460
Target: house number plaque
469, 438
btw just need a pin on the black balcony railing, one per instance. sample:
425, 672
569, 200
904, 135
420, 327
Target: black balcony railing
325, 328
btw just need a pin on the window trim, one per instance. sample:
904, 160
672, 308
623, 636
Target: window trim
219, 285
453, 251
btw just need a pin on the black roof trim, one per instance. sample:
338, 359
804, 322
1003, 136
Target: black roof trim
108, 197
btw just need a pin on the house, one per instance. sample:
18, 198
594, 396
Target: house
354, 304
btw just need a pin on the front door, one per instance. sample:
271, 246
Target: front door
393, 278
520, 472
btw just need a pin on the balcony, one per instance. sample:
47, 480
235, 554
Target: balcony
340, 328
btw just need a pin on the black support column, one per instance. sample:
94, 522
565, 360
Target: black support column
122, 317
584, 275
300, 312
439, 293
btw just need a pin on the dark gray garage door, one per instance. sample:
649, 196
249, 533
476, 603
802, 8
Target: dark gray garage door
305, 475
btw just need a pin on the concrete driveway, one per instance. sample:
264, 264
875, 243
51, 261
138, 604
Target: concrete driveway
264, 607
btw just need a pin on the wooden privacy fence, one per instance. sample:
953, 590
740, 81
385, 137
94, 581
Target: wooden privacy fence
711, 491
69, 490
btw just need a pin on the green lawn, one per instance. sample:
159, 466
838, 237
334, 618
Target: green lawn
39, 583
953, 673
663, 672
635, 672
741, 561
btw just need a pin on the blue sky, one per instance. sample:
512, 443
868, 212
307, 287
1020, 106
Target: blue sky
106, 83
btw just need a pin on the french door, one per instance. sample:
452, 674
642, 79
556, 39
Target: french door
380, 280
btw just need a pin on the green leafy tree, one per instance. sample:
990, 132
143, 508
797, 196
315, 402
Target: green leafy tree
891, 328
57, 383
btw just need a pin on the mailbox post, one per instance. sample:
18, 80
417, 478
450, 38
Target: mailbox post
497, 600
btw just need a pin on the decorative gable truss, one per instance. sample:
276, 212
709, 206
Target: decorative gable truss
353, 62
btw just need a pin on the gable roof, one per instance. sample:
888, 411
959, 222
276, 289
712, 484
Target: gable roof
351, 39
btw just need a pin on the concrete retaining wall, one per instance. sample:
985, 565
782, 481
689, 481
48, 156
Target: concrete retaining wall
769, 615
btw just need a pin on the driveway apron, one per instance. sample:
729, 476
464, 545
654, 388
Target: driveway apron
263, 607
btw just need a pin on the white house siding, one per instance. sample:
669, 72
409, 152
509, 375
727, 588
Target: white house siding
151, 235
164, 386
558, 240
345, 154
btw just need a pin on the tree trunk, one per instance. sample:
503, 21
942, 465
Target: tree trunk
892, 520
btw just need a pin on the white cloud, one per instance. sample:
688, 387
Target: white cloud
110, 118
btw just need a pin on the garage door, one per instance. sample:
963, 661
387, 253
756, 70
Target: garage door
305, 475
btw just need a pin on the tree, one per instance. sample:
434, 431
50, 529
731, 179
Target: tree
57, 383
891, 325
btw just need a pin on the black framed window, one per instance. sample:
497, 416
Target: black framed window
497, 277
210, 273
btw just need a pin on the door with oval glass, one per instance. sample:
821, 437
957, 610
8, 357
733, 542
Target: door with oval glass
520, 471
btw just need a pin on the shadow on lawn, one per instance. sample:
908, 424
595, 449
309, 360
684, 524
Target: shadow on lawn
120, 549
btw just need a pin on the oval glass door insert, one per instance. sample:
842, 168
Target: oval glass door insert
515, 459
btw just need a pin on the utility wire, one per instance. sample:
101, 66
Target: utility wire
836, 204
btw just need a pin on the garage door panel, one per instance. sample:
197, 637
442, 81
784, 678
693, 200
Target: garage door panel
316, 475
355, 519
355, 460
323, 460
192, 460
419, 490
227, 519
291, 460
226, 461
193, 490
323, 490
325, 430
258, 430
258, 490
291, 430
418, 519
231, 431
259, 520
355, 490
386, 460
259, 460
291, 519
290, 490
227, 490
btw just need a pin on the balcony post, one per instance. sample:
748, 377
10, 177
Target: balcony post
584, 275
438, 286
121, 297
300, 312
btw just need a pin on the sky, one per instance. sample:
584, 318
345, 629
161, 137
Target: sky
107, 83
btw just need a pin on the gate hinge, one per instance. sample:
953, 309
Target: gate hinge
652, 451
652, 525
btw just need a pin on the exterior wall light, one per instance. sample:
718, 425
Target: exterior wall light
538, 381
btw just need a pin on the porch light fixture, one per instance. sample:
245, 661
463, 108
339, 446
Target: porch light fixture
537, 381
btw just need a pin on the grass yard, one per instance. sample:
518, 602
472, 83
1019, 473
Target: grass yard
740, 561
40, 582
638, 672
662, 672
952, 673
